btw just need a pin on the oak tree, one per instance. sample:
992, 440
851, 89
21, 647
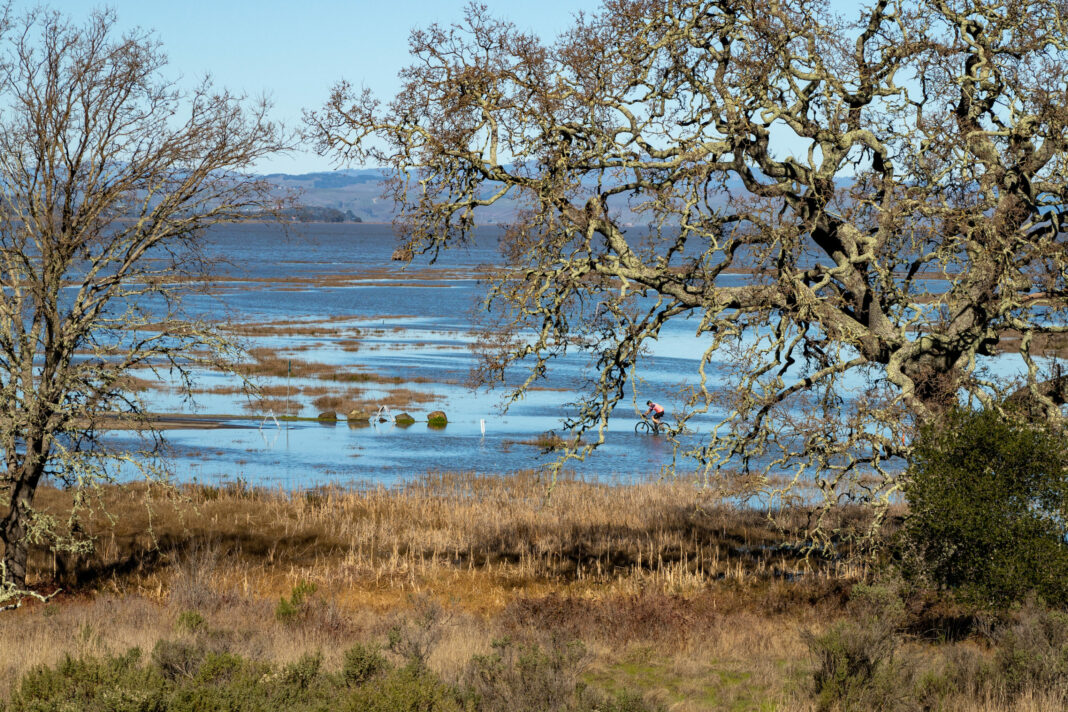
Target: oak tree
109, 175
859, 214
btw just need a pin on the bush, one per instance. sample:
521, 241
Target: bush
190, 622
415, 637
856, 667
178, 659
988, 505
363, 663
295, 607
408, 689
1032, 653
114, 684
183, 678
303, 673
526, 678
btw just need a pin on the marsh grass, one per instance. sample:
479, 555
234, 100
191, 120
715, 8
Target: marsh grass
690, 604
656, 564
478, 538
266, 362
343, 397
278, 406
548, 441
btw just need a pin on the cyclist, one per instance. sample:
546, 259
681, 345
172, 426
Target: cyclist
657, 411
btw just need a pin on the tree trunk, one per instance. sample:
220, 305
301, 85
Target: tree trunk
937, 382
13, 532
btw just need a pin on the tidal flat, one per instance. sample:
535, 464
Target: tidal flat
330, 324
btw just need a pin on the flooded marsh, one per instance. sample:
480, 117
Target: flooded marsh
345, 331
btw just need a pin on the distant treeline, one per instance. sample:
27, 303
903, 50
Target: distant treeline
314, 213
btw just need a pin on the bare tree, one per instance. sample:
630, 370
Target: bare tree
109, 175
860, 217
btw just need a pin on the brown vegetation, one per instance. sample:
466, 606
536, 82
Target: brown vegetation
691, 604
478, 538
622, 567
268, 362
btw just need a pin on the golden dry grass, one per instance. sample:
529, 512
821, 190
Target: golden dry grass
654, 567
686, 600
473, 537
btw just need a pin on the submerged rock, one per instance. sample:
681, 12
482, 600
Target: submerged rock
404, 419
360, 415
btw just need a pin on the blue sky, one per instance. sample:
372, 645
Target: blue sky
295, 51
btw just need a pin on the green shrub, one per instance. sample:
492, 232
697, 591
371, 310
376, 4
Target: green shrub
526, 678
855, 668
988, 505
178, 659
88, 684
289, 610
190, 622
303, 673
519, 678
363, 663
856, 664
226, 681
411, 688
224, 669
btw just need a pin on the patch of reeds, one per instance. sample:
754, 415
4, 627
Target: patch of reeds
694, 604
325, 327
278, 406
480, 538
549, 441
269, 363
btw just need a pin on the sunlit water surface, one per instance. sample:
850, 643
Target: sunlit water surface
414, 323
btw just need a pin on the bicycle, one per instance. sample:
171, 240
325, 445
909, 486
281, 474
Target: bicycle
647, 426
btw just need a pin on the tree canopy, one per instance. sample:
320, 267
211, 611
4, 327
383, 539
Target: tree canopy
860, 215
988, 508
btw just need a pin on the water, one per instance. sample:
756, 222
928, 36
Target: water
410, 323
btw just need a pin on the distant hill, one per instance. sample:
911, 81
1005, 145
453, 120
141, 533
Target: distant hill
358, 191
357, 194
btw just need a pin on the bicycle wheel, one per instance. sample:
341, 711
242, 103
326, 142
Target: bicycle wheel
643, 427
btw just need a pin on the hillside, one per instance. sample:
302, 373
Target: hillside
361, 191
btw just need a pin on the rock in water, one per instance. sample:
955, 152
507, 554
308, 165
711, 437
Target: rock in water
328, 415
358, 414
437, 419
403, 419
